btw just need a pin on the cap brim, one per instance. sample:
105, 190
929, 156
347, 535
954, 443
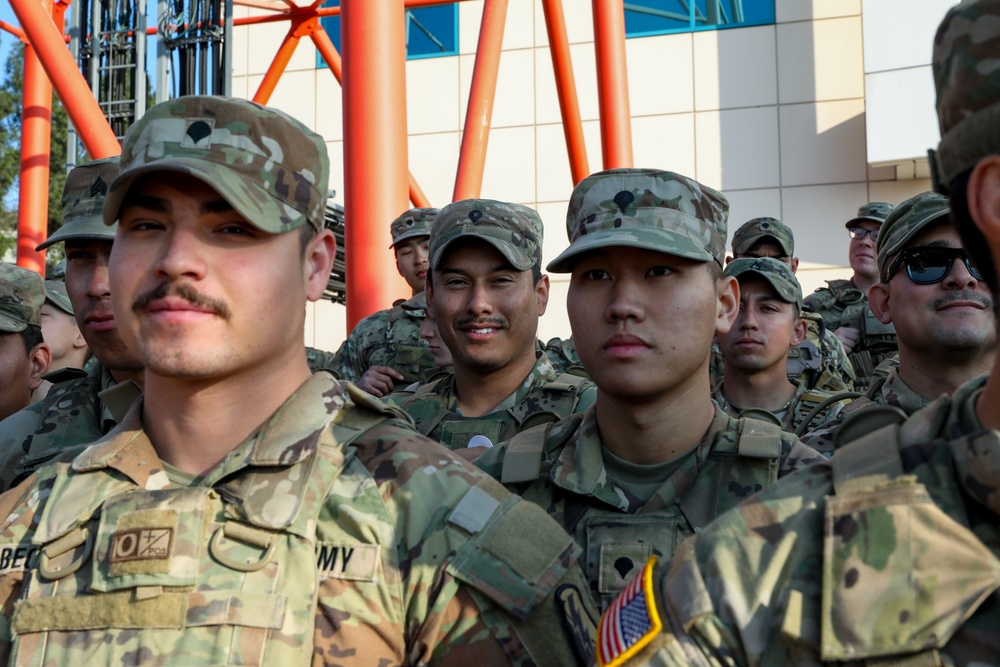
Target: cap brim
518, 260
10, 325
862, 218
658, 240
89, 227
239, 192
426, 233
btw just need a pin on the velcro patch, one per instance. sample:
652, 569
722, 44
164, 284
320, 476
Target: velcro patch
18, 557
631, 622
141, 544
356, 562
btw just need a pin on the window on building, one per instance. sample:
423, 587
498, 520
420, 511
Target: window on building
430, 31
658, 17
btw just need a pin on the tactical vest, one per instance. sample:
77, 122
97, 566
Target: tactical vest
815, 407
182, 575
410, 357
617, 544
921, 574
548, 403
876, 341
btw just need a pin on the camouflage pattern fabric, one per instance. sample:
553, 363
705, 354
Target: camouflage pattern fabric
818, 362
619, 531
271, 168
388, 338
414, 223
319, 360
516, 231
619, 207
832, 566
72, 414
22, 293
889, 390
875, 211
798, 408
544, 396
905, 222
563, 356
333, 535
841, 304
760, 229
83, 203
966, 77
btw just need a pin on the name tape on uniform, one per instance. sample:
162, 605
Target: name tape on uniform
357, 562
18, 557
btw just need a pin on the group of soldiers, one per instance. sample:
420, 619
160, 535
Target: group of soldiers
447, 489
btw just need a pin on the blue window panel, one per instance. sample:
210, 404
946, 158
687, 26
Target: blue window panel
659, 17
430, 31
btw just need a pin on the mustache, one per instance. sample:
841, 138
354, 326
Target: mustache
184, 291
966, 295
482, 322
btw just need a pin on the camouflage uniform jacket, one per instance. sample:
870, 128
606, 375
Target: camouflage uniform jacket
841, 304
888, 391
887, 555
335, 534
818, 362
794, 414
563, 356
388, 338
544, 396
618, 532
73, 413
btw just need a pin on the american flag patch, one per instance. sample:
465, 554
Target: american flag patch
630, 622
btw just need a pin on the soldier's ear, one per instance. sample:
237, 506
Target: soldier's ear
983, 196
878, 300
795, 264
728, 304
320, 253
799, 332
41, 358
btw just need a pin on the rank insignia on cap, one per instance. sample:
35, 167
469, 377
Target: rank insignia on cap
631, 622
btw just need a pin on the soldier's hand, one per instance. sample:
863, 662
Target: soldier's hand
848, 336
379, 380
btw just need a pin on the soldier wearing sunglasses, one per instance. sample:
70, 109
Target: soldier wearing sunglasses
843, 304
941, 308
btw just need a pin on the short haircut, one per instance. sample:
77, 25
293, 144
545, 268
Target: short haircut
32, 337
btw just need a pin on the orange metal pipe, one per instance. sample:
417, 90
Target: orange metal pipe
14, 30
36, 130
569, 104
472, 158
416, 193
280, 62
612, 83
65, 76
375, 148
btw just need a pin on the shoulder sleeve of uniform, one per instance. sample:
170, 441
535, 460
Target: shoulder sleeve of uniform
515, 553
15, 440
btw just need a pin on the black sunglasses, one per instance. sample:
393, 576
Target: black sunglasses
930, 264
860, 232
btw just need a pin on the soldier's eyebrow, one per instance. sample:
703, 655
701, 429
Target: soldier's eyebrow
215, 206
496, 269
155, 204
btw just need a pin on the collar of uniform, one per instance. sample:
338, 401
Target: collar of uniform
897, 393
290, 435
580, 469
540, 373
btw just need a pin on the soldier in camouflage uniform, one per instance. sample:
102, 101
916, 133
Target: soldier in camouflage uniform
819, 361
24, 356
384, 348
80, 407
60, 330
945, 328
888, 555
562, 353
487, 292
756, 348
843, 304
246, 511
655, 459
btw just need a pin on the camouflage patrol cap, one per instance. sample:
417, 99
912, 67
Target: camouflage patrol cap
83, 201
22, 293
966, 68
876, 211
757, 229
513, 229
905, 222
775, 272
645, 208
415, 222
272, 169
55, 293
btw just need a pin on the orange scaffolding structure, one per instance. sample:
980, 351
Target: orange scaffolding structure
378, 184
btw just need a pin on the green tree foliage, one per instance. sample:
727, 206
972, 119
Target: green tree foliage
10, 154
